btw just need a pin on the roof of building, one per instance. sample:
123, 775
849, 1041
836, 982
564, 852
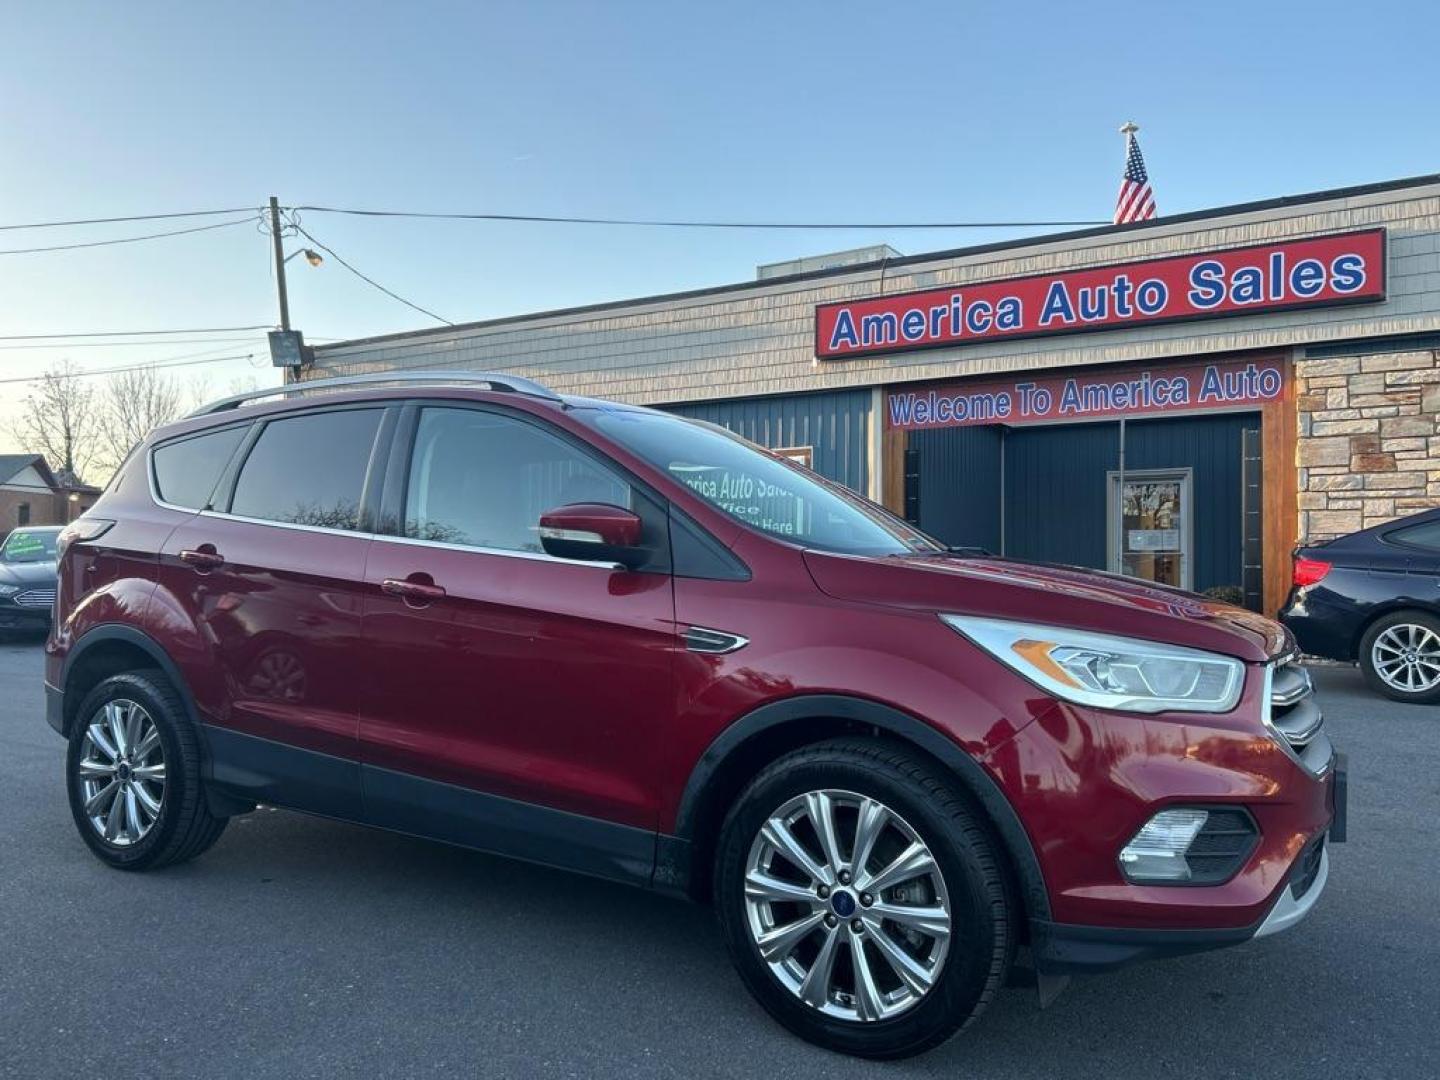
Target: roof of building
1281, 202
11, 465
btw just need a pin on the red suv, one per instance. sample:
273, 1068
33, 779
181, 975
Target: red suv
612, 640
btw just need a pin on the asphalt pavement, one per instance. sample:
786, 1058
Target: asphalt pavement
299, 947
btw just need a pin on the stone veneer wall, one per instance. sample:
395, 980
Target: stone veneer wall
1369, 444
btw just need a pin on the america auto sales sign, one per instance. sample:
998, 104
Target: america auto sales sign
1318, 271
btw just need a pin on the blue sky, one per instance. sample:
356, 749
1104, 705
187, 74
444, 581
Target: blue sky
782, 111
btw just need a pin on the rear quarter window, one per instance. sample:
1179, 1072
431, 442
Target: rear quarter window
187, 470
1426, 537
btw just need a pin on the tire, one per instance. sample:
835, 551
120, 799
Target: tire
964, 879
1384, 651
183, 826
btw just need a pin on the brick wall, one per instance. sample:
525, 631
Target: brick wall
41, 508
1369, 444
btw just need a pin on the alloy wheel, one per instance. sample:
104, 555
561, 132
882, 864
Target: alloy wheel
847, 906
1407, 658
122, 772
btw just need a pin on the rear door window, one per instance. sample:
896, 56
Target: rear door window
187, 470
309, 470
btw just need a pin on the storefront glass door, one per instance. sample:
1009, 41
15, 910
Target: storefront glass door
1153, 518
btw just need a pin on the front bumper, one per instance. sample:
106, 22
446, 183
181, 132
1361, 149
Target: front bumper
15, 617
1062, 949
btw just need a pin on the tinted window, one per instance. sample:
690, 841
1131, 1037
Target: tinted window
309, 470
1425, 536
187, 471
756, 487
482, 479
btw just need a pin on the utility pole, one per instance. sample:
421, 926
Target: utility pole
279, 263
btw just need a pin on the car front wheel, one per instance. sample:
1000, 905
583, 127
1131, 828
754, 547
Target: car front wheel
1400, 657
862, 899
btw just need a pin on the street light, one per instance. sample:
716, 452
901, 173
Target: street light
313, 257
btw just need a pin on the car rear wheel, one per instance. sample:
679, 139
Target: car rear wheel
133, 775
1400, 656
862, 899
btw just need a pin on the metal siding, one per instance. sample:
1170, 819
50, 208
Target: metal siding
835, 425
1055, 492
958, 484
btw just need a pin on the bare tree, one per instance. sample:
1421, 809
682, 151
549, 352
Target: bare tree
132, 404
59, 418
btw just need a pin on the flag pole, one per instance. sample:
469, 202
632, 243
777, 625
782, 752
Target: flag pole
1127, 129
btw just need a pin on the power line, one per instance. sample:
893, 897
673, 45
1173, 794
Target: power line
138, 333
363, 277
665, 223
68, 345
158, 365
128, 239
131, 217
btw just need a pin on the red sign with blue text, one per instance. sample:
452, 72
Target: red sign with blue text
1091, 395
1320, 271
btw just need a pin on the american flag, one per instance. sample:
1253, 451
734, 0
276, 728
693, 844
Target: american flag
1136, 201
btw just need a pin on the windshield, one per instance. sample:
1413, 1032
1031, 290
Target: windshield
28, 546
757, 488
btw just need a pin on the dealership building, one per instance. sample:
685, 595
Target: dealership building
1183, 399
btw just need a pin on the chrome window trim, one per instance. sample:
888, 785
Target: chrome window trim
509, 553
297, 525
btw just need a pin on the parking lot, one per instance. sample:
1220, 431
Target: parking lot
299, 947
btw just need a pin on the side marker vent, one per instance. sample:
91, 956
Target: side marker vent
699, 639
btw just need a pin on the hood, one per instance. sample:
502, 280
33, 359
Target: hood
1052, 595
27, 573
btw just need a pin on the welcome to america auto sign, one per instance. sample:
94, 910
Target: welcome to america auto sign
1317, 271
1090, 395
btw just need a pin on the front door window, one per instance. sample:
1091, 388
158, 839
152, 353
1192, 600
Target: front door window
1149, 529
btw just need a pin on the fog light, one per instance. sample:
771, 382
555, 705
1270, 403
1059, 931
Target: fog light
1157, 851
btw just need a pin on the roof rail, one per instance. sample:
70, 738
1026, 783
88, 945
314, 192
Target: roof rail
494, 380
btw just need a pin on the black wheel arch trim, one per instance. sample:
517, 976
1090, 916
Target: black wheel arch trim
112, 632
808, 707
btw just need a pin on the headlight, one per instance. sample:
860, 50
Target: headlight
1109, 672
9, 590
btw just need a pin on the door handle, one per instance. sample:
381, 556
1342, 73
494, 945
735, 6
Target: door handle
412, 590
205, 557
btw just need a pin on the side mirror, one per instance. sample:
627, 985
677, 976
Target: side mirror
594, 532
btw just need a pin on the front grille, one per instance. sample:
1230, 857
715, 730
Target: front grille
1295, 717
1307, 867
1221, 847
36, 598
